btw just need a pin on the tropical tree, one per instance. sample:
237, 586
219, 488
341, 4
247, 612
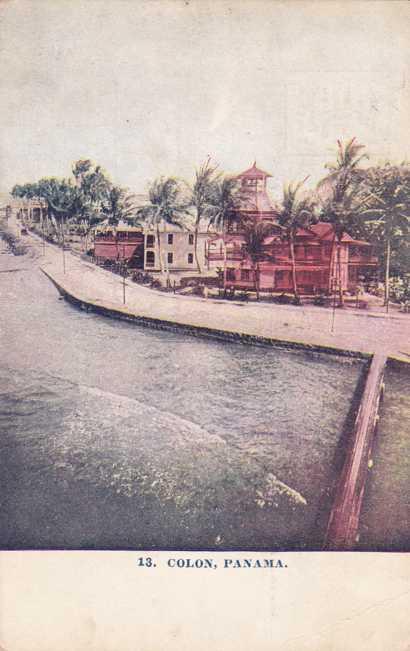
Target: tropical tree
93, 188
166, 206
62, 202
80, 169
295, 213
78, 200
202, 195
26, 191
255, 234
386, 197
222, 202
338, 193
119, 205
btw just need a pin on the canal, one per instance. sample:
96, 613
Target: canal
119, 437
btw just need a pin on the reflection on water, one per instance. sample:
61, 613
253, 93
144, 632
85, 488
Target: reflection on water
115, 436
385, 519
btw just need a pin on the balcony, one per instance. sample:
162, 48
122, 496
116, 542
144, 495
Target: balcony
218, 255
360, 259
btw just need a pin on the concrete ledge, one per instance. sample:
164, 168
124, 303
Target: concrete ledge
122, 313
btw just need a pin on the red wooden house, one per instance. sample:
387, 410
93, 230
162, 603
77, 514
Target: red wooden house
318, 268
120, 244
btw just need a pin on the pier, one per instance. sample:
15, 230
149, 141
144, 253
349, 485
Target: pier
343, 522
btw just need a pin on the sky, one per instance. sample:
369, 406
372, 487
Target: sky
150, 88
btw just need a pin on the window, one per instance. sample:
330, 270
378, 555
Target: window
170, 239
170, 257
190, 239
190, 258
245, 275
150, 241
150, 259
230, 274
312, 252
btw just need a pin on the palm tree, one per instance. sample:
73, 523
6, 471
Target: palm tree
223, 200
61, 197
295, 213
119, 205
255, 234
221, 211
386, 197
338, 193
92, 190
166, 205
201, 199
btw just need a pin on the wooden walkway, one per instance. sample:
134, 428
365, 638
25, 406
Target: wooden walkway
343, 522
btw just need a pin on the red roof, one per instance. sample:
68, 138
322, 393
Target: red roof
304, 232
350, 240
323, 229
254, 173
271, 240
346, 238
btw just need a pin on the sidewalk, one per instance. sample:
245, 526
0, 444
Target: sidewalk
353, 330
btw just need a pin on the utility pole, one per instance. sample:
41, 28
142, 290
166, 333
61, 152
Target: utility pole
62, 224
42, 232
334, 287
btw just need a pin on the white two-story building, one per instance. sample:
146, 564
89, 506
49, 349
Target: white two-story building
177, 250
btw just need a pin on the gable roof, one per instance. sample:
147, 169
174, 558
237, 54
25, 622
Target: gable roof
350, 240
324, 230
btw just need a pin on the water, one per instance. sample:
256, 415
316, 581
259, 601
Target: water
385, 518
114, 436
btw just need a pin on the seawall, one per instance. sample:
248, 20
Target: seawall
107, 309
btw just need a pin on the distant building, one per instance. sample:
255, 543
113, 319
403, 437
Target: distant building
30, 211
